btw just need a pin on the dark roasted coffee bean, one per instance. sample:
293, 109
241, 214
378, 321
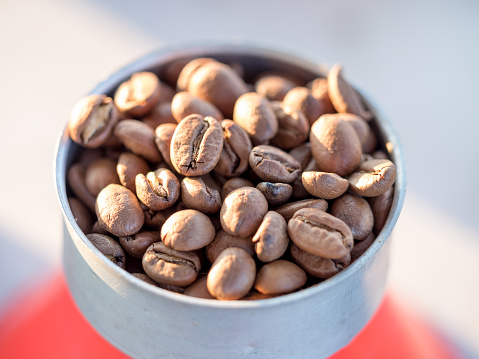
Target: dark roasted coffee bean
158, 190
108, 247
275, 193
137, 244
196, 145
92, 120
232, 274
320, 233
271, 239
279, 277
169, 266
274, 165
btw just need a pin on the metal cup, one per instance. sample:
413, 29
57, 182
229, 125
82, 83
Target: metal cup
148, 322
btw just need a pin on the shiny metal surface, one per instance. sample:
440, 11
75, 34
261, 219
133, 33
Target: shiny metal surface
148, 322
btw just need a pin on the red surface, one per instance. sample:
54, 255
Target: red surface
45, 323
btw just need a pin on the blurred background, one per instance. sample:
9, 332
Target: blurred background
418, 60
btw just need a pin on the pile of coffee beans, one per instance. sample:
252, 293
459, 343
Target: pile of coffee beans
204, 184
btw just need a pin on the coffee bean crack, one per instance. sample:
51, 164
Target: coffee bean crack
325, 227
196, 146
175, 260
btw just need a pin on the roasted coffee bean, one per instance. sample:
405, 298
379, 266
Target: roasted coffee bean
97, 228
373, 178
371, 143
275, 193
188, 69
381, 206
163, 136
279, 277
361, 246
196, 145
255, 115
100, 174
160, 115
232, 274
319, 90
138, 95
81, 214
187, 230
271, 239
234, 183
243, 211
76, 180
301, 99
344, 97
156, 219
128, 167
118, 211
224, 240
273, 87
144, 278
158, 190
217, 84
185, 104
356, 213
92, 120
109, 248
320, 233
289, 209
360, 126
318, 266
168, 266
293, 127
236, 148
197, 195
168, 287
335, 145
139, 138
199, 289
302, 154
324, 185
273, 165
137, 244
255, 295
166, 93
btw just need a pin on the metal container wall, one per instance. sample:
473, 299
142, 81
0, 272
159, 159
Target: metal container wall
149, 322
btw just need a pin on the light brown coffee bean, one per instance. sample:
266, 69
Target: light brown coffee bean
236, 148
199, 289
274, 165
168, 287
320, 233
139, 138
271, 239
81, 214
356, 213
118, 211
232, 274
187, 230
158, 190
371, 143
381, 206
128, 167
224, 240
360, 126
289, 209
362, 246
344, 97
188, 69
76, 180
109, 248
324, 185
100, 174
373, 178
137, 244
92, 120
335, 145
279, 277
196, 145
160, 115
243, 211
319, 90
273, 87
275, 193
168, 266
138, 95
293, 127
163, 136
254, 114
234, 183
217, 84
196, 194
318, 266
185, 104
301, 99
